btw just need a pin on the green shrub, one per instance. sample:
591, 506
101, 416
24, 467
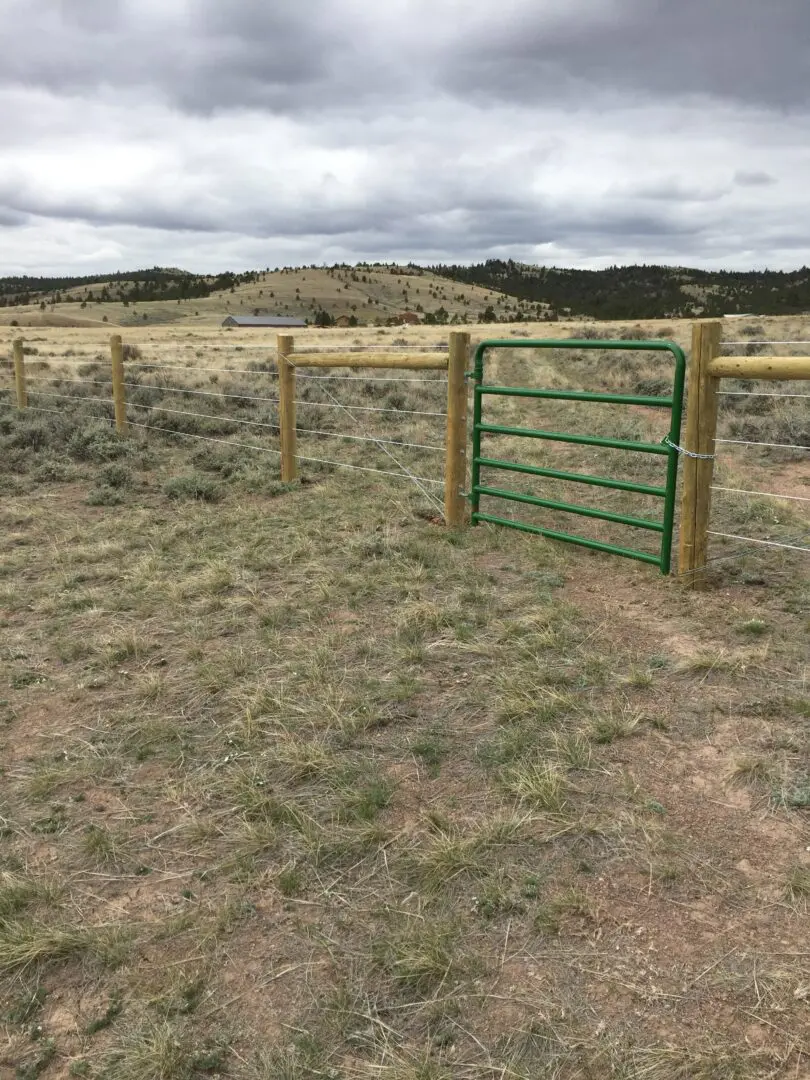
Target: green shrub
194, 486
212, 459
116, 475
104, 496
34, 434
95, 443
53, 471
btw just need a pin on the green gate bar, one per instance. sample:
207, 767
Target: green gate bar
580, 478
585, 440
667, 448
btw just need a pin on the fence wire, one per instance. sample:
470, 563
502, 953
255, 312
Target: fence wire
371, 378
404, 473
204, 416
763, 494
754, 540
367, 439
772, 445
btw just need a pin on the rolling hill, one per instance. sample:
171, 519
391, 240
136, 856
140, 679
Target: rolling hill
372, 294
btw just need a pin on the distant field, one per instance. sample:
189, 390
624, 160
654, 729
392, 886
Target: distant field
295, 783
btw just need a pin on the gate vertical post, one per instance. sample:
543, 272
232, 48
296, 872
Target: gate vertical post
286, 408
19, 374
698, 473
475, 471
455, 472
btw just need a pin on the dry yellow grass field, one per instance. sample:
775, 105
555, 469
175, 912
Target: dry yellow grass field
297, 784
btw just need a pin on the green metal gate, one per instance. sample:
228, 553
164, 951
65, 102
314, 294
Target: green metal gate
668, 448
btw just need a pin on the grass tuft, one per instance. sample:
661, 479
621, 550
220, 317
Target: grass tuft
542, 785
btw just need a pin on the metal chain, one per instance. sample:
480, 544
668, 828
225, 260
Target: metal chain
688, 453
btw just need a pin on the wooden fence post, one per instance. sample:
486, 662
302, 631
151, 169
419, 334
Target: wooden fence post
19, 374
119, 395
455, 472
701, 431
286, 408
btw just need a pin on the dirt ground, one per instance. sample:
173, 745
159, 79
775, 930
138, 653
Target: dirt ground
296, 783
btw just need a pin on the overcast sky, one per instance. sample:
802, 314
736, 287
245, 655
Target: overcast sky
234, 134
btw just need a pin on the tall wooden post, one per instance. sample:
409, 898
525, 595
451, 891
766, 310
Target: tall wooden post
455, 472
19, 374
286, 408
701, 431
119, 395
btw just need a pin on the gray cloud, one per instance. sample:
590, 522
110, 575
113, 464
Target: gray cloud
199, 57
753, 178
11, 218
286, 56
741, 50
589, 131
414, 222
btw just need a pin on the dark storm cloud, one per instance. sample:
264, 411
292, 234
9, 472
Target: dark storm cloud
199, 57
289, 56
751, 51
582, 130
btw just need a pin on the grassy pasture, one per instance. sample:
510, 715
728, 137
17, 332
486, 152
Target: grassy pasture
296, 783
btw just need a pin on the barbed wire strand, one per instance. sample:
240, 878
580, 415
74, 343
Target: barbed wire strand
368, 438
277, 453
198, 393
236, 397
370, 378
758, 341
62, 379
275, 401
387, 452
764, 494
204, 416
54, 412
739, 554
371, 408
751, 393
766, 543
71, 397
193, 368
189, 369
382, 472
204, 438
773, 445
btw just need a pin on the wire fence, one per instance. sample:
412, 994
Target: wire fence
401, 423
155, 387
780, 408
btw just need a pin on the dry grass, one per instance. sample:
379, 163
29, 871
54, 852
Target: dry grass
298, 784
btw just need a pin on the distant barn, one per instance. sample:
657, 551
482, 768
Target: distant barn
275, 322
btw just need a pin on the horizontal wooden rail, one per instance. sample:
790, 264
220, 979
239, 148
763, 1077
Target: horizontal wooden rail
760, 367
405, 361
454, 362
